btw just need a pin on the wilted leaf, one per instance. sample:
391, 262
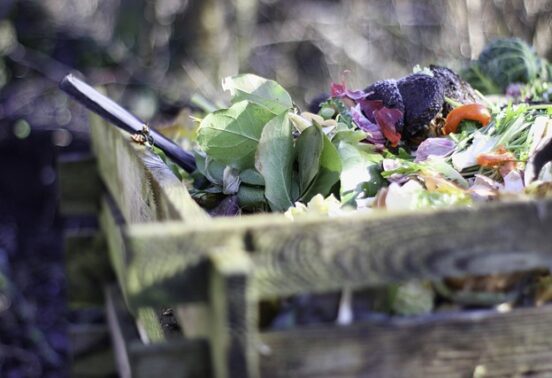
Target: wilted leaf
230, 180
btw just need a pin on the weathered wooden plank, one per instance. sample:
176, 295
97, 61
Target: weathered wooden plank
233, 316
87, 267
149, 326
317, 255
473, 344
193, 318
122, 330
173, 359
79, 184
111, 224
162, 292
144, 189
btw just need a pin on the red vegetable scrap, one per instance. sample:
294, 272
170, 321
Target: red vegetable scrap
387, 120
373, 113
471, 112
369, 107
500, 158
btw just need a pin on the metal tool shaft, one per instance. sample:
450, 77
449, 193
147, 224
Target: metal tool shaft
122, 118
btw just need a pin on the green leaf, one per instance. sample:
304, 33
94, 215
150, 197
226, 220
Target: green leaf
211, 169
258, 90
251, 176
251, 197
231, 135
328, 172
309, 147
360, 170
275, 157
349, 136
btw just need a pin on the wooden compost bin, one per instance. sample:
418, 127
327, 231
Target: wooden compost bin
166, 251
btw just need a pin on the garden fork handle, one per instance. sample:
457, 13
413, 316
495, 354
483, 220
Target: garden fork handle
122, 118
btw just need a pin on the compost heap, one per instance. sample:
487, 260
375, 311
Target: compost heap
427, 140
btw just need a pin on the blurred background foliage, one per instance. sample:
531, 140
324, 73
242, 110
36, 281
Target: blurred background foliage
154, 55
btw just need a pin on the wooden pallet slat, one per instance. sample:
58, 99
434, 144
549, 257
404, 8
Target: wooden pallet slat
441, 345
317, 255
167, 251
143, 188
233, 315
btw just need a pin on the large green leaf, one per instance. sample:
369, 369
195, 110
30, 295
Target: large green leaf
258, 90
328, 172
309, 147
360, 170
231, 135
275, 158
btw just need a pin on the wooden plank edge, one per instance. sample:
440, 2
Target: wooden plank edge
121, 330
517, 343
233, 315
163, 194
318, 255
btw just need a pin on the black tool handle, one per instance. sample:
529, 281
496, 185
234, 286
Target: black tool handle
122, 118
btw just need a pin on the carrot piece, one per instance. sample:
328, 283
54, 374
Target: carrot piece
472, 112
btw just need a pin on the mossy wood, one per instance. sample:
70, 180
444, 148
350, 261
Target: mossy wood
166, 250
318, 255
144, 189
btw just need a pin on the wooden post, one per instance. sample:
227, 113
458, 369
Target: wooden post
234, 314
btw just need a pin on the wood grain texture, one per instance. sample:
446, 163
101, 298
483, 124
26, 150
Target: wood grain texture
515, 344
112, 224
174, 359
317, 255
149, 326
79, 184
193, 318
143, 187
233, 315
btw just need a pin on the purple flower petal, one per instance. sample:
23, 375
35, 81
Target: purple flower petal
434, 147
368, 107
340, 90
364, 123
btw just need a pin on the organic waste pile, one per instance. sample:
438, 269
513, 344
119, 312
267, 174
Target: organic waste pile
430, 139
